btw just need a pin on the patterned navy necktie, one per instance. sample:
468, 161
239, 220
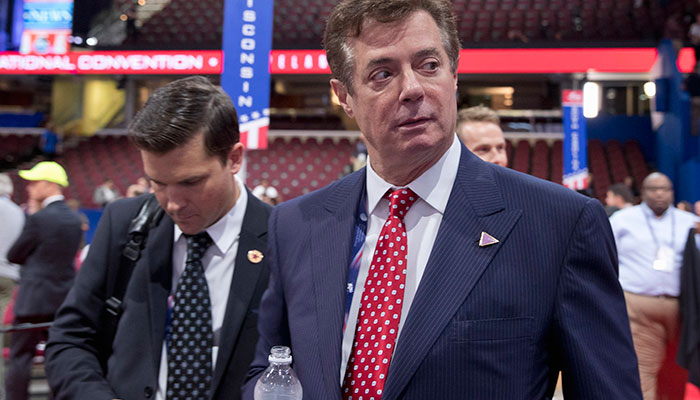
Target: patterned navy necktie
191, 337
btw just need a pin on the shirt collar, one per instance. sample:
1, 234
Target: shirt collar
650, 213
51, 199
225, 231
430, 186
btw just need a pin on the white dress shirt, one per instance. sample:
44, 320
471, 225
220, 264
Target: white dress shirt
422, 222
637, 248
218, 261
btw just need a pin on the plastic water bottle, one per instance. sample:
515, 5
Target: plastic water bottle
279, 382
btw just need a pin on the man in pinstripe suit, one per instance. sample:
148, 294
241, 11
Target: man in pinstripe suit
507, 279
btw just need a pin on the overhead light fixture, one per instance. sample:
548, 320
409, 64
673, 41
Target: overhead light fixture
650, 89
591, 99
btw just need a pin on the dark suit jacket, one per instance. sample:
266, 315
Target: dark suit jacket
46, 249
688, 355
494, 322
72, 364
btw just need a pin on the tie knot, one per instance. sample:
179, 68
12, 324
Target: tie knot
197, 245
401, 201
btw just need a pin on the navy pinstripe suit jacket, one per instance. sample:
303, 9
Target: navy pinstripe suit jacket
495, 322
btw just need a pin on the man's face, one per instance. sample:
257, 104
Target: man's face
194, 188
485, 139
611, 199
403, 92
657, 193
38, 190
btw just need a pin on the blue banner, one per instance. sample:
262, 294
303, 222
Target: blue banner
575, 144
247, 41
54, 15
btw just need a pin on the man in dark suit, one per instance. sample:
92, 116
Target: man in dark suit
45, 250
188, 327
432, 274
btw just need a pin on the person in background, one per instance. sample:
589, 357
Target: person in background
45, 251
105, 193
12, 219
685, 206
140, 187
49, 141
617, 197
696, 208
431, 274
267, 193
650, 240
479, 128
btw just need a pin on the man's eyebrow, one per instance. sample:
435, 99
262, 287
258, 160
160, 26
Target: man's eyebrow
378, 61
429, 52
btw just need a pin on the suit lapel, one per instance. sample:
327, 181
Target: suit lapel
243, 282
456, 262
159, 248
330, 257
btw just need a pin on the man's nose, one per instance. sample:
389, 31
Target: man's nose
173, 200
411, 87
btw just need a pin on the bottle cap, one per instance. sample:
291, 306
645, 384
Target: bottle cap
280, 354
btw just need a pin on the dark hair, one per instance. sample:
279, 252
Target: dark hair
182, 109
347, 18
620, 189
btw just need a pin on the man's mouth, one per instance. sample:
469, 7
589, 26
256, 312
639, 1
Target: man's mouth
413, 122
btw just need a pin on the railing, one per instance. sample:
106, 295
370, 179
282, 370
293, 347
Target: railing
10, 329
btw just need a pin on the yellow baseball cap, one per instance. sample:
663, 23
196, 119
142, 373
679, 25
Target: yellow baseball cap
46, 171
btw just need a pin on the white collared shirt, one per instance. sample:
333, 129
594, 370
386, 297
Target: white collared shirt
637, 248
51, 199
218, 261
422, 222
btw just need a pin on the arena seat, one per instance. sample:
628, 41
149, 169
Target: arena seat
521, 158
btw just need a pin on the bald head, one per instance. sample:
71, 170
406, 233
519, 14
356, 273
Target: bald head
657, 192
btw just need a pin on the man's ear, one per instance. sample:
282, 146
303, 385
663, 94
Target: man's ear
344, 98
235, 156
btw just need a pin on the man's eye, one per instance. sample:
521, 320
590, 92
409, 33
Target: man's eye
432, 65
191, 182
381, 75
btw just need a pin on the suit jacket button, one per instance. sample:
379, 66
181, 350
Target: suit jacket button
148, 392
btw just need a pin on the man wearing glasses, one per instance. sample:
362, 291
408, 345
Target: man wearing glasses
650, 241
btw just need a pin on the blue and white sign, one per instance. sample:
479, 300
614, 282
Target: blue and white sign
575, 148
247, 41
48, 15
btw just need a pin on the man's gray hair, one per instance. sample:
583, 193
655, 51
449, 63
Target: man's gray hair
5, 185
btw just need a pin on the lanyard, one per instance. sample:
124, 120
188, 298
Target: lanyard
673, 230
358, 244
168, 320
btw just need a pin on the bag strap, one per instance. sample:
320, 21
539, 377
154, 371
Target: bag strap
148, 216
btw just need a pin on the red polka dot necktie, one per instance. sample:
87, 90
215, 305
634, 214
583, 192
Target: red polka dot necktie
380, 307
